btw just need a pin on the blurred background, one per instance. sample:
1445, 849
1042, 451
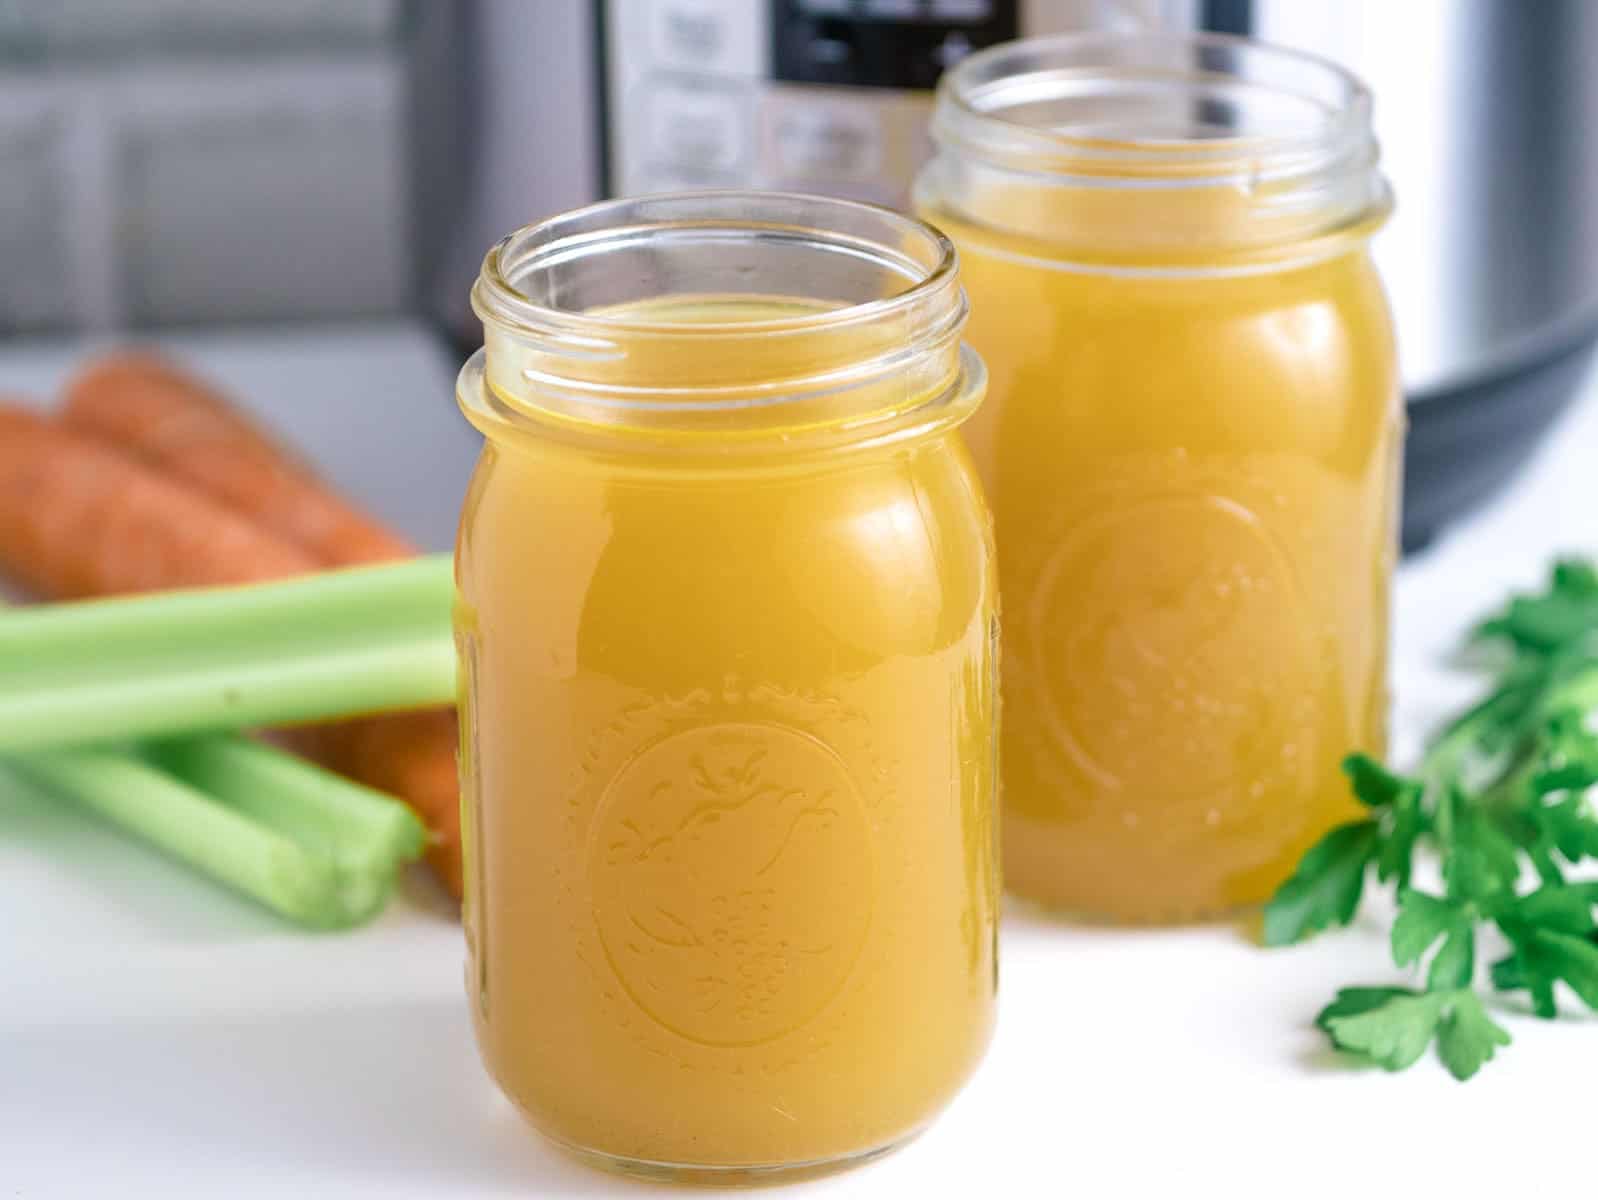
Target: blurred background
288, 191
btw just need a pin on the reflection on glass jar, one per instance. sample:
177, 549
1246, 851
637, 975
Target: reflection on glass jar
726, 603
1190, 446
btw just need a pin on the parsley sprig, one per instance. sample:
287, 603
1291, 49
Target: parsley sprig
1501, 797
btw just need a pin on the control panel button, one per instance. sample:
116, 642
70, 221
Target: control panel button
823, 139
695, 125
725, 37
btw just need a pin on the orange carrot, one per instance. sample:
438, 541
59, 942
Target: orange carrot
79, 518
153, 409
148, 406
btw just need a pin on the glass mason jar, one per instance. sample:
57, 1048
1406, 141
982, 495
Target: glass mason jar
726, 625
1191, 447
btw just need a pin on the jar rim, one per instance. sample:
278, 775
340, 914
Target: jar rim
500, 293
724, 316
1226, 71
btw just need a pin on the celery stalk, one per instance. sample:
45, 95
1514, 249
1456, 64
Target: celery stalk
309, 844
145, 801
361, 828
337, 644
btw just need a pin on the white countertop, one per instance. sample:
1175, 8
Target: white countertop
159, 1037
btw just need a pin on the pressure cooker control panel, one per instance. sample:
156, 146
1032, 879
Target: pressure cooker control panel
810, 95
882, 43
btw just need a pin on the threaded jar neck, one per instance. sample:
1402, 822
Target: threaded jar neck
1156, 147
720, 315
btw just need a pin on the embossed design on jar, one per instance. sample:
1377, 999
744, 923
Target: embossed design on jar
1171, 650
701, 850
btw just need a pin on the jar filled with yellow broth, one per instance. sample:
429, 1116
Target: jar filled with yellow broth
726, 619
1191, 447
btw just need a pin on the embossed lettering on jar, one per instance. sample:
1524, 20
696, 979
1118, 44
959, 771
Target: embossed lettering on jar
726, 619
1191, 448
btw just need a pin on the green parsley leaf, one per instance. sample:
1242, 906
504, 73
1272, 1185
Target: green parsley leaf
1397, 800
1568, 776
1566, 612
1541, 959
1326, 888
1505, 787
1374, 785
1526, 969
1396, 855
1569, 758
1575, 577
1422, 919
1392, 1026
1480, 862
1454, 966
1577, 960
1557, 809
1560, 908
1467, 1037
1494, 721
1351, 1001
1509, 976
1393, 1034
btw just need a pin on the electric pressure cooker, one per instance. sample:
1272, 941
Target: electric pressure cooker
1487, 111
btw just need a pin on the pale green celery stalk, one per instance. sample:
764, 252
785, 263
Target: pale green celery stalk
166, 812
309, 844
364, 833
337, 644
